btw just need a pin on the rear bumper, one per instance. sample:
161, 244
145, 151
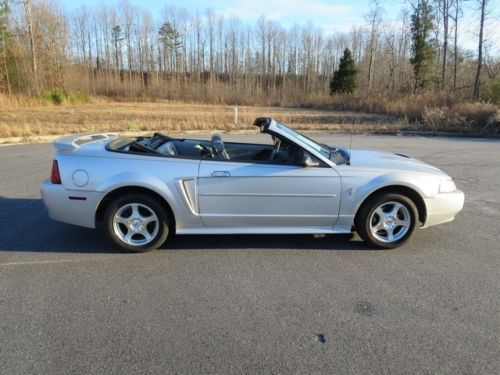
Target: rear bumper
443, 207
70, 206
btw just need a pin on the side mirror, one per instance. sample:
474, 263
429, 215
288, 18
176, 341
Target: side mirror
307, 160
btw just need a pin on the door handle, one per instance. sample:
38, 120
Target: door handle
221, 174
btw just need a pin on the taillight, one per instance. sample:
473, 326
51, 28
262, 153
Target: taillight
55, 177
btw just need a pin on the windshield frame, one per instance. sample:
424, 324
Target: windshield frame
301, 138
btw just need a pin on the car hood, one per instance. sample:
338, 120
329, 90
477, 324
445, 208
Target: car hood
391, 162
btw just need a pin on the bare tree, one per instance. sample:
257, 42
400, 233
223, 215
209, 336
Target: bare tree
117, 50
4, 9
445, 6
455, 43
127, 12
483, 7
261, 36
210, 16
29, 22
374, 17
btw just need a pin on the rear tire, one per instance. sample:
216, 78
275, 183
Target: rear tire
387, 221
136, 223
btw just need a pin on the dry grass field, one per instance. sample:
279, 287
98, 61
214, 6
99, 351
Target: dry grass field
29, 123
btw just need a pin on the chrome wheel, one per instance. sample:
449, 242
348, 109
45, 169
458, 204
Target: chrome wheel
135, 224
390, 222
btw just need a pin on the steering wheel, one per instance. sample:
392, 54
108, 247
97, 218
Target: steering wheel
204, 150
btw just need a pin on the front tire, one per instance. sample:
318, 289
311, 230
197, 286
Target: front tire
387, 221
136, 223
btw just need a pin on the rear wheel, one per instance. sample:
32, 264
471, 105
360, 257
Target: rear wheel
387, 221
136, 223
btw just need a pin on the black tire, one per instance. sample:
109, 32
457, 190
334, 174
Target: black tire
398, 209
144, 236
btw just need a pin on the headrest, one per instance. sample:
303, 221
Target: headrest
217, 143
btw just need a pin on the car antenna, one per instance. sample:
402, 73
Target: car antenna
350, 147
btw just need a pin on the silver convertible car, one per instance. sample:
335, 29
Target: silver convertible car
142, 189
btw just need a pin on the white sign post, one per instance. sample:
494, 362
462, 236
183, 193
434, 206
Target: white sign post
235, 116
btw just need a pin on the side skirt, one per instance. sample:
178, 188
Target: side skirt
265, 230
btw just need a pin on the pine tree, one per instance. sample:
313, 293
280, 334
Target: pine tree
344, 79
423, 45
117, 35
172, 44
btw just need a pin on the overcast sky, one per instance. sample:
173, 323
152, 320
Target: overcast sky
331, 16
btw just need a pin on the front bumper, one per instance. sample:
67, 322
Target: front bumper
443, 207
70, 206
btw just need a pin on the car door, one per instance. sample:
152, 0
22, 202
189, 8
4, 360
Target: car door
253, 194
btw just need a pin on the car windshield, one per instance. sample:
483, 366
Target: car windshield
325, 151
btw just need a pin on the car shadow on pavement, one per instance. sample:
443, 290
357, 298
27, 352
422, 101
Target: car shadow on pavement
26, 227
266, 241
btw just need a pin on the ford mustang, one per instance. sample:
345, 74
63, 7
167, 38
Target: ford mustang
140, 190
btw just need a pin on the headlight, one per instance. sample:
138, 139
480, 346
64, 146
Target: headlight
447, 186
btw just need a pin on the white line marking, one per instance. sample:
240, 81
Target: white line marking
49, 261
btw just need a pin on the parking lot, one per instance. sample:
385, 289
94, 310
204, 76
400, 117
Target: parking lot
69, 303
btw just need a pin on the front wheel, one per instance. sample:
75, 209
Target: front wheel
387, 221
136, 223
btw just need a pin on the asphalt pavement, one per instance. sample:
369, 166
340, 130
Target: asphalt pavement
71, 304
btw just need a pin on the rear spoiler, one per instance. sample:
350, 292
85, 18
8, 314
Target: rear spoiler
70, 143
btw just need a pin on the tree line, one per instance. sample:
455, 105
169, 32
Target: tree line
206, 56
